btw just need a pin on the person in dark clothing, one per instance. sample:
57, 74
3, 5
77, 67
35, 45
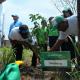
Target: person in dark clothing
67, 13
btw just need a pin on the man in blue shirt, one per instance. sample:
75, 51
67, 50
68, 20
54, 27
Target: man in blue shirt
16, 22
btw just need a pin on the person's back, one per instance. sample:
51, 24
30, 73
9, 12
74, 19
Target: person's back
15, 35
73, 25
64, 26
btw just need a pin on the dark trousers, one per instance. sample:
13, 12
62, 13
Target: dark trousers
52, 40
18, 49
68, 46
34, 60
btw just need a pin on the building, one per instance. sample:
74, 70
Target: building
1, 1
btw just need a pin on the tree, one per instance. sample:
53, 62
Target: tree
35, 18
62, 4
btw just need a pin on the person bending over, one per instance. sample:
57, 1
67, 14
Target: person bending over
20, 38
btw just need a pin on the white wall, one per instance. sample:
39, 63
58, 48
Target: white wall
0, 22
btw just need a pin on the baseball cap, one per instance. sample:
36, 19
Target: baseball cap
14, 15
57, 20
66, 9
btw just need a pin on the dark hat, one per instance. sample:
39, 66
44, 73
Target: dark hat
14, 15
66, 10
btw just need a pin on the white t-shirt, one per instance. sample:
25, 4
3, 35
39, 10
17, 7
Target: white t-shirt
72, 28
15, 35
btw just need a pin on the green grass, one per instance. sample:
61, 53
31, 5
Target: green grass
7, 56
27, 56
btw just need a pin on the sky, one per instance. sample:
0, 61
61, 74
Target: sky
25, 7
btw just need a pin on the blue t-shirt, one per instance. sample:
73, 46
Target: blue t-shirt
15, 24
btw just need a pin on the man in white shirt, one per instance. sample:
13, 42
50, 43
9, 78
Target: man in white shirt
19, 37
66, 26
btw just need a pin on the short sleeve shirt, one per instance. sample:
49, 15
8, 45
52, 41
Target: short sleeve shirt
15, 35
72, 28
15, 24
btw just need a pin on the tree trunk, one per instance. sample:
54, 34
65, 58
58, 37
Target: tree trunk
78, 16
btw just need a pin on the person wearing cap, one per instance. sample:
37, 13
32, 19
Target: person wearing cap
20, 37
15, 23
66, 26
67, 12
67, 45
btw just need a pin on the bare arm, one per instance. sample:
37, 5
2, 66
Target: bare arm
57, 45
